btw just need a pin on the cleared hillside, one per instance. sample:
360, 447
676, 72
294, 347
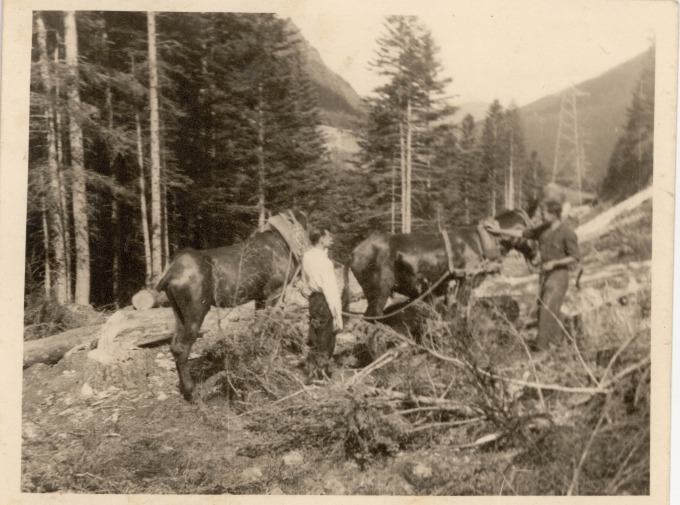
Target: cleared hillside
340, 105
601, 118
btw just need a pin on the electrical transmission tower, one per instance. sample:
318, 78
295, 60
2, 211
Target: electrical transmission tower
569, 162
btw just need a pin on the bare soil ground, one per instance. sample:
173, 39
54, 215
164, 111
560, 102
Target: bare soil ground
466, 411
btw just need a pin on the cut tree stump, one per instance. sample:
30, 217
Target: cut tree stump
129, 370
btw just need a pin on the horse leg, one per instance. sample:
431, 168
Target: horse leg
382, 282
189, 315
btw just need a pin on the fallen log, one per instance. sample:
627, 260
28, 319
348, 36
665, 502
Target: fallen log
600, 224
50, 350
127, 328
606, 285
116, 361
149, 299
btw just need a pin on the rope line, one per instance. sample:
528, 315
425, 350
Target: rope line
456, 273
411, 302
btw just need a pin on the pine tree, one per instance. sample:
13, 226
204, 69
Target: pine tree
410, 102
468, 171
632, 162
516, 158
493, 154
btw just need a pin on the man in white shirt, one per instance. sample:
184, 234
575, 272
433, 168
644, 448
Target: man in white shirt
325, 308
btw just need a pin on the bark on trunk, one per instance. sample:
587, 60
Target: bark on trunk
56, 223
80, 214
156, 245
260, 161
142, 204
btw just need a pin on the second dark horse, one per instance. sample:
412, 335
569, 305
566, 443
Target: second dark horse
409, 264
258, 269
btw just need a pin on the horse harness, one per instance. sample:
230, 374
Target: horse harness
490, 250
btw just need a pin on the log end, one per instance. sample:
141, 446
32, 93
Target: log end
148, 299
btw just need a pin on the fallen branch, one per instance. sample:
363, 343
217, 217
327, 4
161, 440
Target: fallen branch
534, 385
427, 400
448, 424
380, 362
574, 481
627, 371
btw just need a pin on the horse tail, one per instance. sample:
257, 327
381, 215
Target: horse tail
163, 283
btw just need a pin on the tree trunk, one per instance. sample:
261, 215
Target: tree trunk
393, 213
409, 164
142, 203
115, 206
80, 214
63, 187
510, 204
156, 244
260, 160
46, 245
402, 159
60, 285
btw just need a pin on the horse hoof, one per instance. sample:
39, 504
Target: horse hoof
187, 394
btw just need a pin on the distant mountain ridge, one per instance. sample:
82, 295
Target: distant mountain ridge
339, 103
601, 115
602, 111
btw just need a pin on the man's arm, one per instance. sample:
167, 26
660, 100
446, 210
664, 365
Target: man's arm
529, 233
571, 250
332, 295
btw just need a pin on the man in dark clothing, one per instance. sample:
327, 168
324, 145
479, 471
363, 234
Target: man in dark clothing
559, 249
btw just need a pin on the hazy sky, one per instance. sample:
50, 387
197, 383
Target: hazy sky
517, 50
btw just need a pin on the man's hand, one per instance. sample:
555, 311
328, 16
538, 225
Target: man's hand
337, 325
548, 266
337, 322
494, 230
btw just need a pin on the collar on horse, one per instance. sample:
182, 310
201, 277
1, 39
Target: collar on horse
292, 232
490, 244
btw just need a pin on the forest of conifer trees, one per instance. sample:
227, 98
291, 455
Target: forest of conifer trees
151, 132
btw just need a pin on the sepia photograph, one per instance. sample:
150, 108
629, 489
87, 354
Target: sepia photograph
297, 249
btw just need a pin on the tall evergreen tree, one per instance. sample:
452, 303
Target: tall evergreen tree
410, 102
493, 154
468, 173
632, 162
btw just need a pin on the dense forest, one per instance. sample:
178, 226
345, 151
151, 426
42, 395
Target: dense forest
151, 132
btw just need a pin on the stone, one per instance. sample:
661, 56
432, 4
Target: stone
30, 430
334, 487
86, 391
422, 471
293, 458
251, 474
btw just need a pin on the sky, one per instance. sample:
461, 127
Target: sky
515, 51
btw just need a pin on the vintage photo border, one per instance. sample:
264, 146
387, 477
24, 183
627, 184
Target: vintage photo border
16, 57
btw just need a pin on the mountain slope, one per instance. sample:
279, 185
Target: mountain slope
601, 118
340, 105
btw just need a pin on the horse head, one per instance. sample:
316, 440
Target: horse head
520, 219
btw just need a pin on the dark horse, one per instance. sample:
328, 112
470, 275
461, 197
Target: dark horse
257, 269
409, 264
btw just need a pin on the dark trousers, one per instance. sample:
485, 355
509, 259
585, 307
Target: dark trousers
321, 335
553, 288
